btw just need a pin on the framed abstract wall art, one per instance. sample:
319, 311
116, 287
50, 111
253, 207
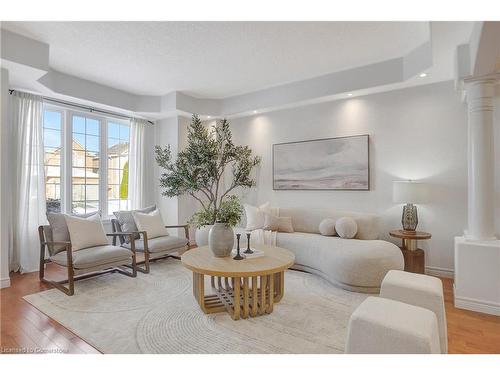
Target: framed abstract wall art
322, 164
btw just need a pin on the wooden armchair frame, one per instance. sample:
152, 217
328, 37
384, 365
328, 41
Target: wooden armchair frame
70, 269
116, 227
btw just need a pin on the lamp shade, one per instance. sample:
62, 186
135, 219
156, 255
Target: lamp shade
409, 192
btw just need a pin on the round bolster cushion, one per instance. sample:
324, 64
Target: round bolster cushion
346, 227
327, 227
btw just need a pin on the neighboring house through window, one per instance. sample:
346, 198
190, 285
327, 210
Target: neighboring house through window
52, 141
118, 148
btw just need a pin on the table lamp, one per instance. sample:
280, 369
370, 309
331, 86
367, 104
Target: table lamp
409, 192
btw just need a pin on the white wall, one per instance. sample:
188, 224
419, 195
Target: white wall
4, 167
187, 205
166, 133
416, 133
496, 125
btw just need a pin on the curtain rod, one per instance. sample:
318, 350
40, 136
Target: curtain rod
81, 106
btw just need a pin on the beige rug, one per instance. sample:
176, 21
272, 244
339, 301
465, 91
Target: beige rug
157, 313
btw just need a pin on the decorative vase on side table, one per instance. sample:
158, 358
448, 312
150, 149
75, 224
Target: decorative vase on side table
221, 239
413, 256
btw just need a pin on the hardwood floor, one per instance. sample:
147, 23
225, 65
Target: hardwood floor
23, 326
470, 332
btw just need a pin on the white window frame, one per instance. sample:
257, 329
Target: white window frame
67, 114
63, 178
118, 121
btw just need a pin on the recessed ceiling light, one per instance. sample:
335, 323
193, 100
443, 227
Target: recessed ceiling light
208, 116
423, 75
254, 111
349, 94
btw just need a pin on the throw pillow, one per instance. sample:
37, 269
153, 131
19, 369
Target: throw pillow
127, 222
327, 227
278, 224
346, 227
86, 232
57, 222
255, 215
151, 223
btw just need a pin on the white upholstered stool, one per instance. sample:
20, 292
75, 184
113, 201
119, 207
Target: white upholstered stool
419, 290
381, 325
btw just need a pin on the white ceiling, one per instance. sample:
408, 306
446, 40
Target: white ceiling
221, 59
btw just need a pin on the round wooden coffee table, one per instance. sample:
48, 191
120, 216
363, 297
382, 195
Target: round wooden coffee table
247, 287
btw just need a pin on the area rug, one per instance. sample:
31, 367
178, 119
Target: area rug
157, 313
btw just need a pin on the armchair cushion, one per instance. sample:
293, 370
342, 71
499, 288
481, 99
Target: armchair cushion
86, 232
152, 223
127, 222
59, 229
94, 256
160, 244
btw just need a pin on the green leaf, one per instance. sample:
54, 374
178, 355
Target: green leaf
124, 183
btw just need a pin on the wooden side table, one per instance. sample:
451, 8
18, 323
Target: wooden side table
413, 256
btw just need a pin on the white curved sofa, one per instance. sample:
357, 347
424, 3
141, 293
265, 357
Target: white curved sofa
358, 264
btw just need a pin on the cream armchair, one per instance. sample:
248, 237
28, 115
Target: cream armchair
86, 262
153, 249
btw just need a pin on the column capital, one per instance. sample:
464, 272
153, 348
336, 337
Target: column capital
486, 78
484, 81
480, 91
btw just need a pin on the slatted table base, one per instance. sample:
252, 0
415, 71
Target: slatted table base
239, 296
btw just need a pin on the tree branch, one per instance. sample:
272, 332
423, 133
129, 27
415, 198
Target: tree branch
198, 199
205, 192
233, 186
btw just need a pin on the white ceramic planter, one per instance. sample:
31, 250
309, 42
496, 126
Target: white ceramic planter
201, 235
221, 239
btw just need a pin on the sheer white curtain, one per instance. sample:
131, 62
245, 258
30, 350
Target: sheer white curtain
136, 172
29, 188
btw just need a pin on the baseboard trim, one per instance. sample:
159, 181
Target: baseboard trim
440, 272
485, 307
5, 283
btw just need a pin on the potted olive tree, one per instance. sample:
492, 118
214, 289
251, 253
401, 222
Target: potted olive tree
199, 170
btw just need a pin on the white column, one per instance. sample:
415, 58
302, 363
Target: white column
481, 219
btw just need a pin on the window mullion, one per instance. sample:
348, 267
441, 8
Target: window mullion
67, 162
103, 181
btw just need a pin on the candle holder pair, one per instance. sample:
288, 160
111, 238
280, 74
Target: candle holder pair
248, 250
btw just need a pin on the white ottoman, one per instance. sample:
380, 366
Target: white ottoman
419, 290
381, 325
